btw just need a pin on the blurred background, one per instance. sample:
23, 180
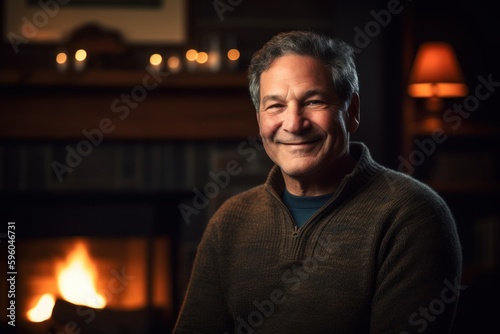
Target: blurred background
125, 124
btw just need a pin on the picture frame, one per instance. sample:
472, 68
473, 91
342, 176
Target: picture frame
108, 3
52, 22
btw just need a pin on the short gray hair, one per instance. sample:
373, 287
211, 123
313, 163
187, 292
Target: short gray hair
335, 53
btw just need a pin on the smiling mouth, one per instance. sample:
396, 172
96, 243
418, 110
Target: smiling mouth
301, 143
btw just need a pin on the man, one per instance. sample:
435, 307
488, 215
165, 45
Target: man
332, 242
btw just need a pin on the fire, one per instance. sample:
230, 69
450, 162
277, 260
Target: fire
76, 281
77, 278
43, 309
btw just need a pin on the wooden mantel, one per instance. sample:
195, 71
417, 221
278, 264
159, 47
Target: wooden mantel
123, 105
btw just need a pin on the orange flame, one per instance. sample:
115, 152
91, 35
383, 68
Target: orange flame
43, 308
77, 278
76, 281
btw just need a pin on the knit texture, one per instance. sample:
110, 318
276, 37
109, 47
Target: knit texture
381, 256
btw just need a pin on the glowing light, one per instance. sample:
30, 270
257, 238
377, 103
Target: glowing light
155, 59
436, 72
233, 54
202, 58
61, 58
191, 54
76, 281
173, 62
77, 278
80, 55
43, 308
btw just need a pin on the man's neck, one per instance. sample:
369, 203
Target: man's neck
321, 183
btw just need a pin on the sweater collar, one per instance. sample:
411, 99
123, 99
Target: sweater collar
364, 170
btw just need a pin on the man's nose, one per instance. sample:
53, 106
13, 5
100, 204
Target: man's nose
295, 121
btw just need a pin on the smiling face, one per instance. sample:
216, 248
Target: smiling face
303, 124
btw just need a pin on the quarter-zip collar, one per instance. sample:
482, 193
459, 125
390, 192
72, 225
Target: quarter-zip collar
363, 171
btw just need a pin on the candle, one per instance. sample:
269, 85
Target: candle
62, 61
155, 62
233, 57
202, 57
214, 59
191, 56
174, 64
80, 57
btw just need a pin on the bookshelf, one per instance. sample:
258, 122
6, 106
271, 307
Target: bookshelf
461, 161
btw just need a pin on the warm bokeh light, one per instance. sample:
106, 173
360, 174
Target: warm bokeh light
76, 279
202, 57
191, 54
61, 58
43, 308
233, 54
80, 55
155, 59
173, 62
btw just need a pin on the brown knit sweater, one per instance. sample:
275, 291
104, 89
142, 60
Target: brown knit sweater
381, 256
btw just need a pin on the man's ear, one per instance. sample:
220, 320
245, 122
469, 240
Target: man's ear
353, 114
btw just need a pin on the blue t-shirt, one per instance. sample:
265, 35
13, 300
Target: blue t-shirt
303, 207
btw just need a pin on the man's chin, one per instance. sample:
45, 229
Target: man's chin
297, 171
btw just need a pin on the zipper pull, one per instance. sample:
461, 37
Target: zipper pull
295, 232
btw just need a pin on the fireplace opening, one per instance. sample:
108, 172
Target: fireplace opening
97, 263
73, 280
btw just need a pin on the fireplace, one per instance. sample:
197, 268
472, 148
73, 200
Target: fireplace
96, 262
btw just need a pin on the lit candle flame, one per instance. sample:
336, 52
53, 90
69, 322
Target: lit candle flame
173, 62
61, 58
191, 54
80, 55
155, 59
202, 58
233, 54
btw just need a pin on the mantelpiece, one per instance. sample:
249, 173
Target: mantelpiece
136, 105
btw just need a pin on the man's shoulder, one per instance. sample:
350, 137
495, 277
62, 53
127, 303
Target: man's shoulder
409, 192
242, 210
386, 180
245, 199
398, 182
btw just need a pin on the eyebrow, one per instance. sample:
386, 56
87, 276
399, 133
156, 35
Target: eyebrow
270, 97
313, 92
306, 95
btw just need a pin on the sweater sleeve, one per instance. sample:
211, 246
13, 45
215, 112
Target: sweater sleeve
204, 308
418, 280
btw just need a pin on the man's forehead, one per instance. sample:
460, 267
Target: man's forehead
293, 65
300, 76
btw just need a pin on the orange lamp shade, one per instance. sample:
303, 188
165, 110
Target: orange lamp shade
436, 72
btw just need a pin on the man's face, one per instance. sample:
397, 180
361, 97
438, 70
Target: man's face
303, 124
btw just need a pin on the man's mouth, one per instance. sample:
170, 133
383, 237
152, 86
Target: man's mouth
300, 142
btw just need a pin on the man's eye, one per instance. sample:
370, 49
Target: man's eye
314, 103
274, 106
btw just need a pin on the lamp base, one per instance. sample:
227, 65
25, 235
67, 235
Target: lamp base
434, 104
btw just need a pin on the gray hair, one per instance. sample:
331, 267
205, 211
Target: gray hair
335, 53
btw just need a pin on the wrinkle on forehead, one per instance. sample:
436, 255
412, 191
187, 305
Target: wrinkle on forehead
295, 80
